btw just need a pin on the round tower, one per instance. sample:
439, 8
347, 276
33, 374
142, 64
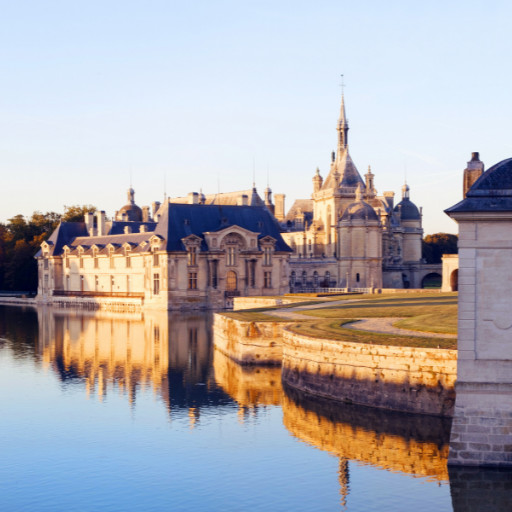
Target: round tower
411, 222
317, 181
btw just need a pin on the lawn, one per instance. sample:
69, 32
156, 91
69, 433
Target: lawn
334, 330
423, 312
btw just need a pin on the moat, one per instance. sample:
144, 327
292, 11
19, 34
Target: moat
137, 411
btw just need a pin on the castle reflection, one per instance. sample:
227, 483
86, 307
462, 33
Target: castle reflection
170, 354
405, 443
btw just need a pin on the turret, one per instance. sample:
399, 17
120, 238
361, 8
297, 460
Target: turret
317, 181
369, 179
268, 199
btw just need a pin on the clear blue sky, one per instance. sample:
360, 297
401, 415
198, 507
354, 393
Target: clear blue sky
198, 89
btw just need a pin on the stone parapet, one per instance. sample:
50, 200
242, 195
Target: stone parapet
399, 378
249, 342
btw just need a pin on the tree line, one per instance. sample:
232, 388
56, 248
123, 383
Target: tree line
20, 240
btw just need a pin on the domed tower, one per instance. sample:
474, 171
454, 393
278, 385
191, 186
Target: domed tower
317, 181
360, 245
409, 217
130, 212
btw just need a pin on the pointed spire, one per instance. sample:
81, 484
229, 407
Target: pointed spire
359, 193
342, 128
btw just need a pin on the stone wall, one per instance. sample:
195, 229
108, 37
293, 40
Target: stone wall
399, 378
249, 342
262, 302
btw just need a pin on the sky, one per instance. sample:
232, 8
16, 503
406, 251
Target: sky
196, 94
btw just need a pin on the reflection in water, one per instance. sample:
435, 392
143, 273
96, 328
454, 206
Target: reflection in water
406, 443
249, 386
480, 489
130, 352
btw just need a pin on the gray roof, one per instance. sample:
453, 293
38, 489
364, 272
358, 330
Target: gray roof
305, 206
177, 221
409, 210
349, 175
359, 211
491, 192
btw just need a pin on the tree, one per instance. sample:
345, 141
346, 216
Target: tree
434, 246
77, 213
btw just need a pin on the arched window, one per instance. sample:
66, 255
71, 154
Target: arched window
304, 278
315, 278
293, 277
357, 278
327, 279
231, 284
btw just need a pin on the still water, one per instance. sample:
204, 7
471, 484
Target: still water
137, 411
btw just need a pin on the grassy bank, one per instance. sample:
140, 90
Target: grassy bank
334, 330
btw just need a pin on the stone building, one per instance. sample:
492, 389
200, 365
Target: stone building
192, 255
347, 235
482, 423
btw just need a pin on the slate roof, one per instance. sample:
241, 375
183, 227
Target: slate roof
409, 210
349, 175
491, 192
305, 206
359, 211
177, 221
228, 198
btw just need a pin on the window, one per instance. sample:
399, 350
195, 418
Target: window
81, 259
156, 284
268, 256
111, 255
81, 283
327, 282
304, 278
268, 280
45, 288
96, 283
95, 256
67, 259
293, 278
315, 278
231, 283
215, 279
112, 283
45, 263
156, 259
231, 256
127, 254
192, 281
128, 284
357, 278
67, 282
192, 256
252, 273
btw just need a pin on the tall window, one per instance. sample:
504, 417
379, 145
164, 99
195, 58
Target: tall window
192, 256
252, 273
81, 283
156, 259
215, 270
327, 279
304, 278
81, 259
192, 281
127, 253
45, 263
45, 287
357, 278
128, 284
231, 256
293, 278
156, 284
268, 256
67, 259
112, 283
268, 280
95, 256
315, 278
111, 255
96, 283
231, 283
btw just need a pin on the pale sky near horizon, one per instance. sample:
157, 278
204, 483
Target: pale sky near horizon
199, 90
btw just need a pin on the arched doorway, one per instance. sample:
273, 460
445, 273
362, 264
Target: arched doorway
454, 280
231, 284
432, 280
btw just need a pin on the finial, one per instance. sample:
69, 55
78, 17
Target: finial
359, 193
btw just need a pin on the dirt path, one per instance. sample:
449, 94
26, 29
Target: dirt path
385, 325
294, 313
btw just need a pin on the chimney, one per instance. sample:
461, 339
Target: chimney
279, 206
143, 228
390, 199
473, 171
102, 229
89, 221
156, 206
127, 230
242, 200
193, 198
145, 214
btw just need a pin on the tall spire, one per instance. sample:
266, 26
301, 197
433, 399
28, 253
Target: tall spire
342, 127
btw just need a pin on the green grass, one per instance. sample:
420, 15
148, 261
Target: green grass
423, 312
334, 330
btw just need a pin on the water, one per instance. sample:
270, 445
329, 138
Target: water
137, 411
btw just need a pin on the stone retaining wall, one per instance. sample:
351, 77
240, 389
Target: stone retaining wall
399, 378
262, 302
249, 342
